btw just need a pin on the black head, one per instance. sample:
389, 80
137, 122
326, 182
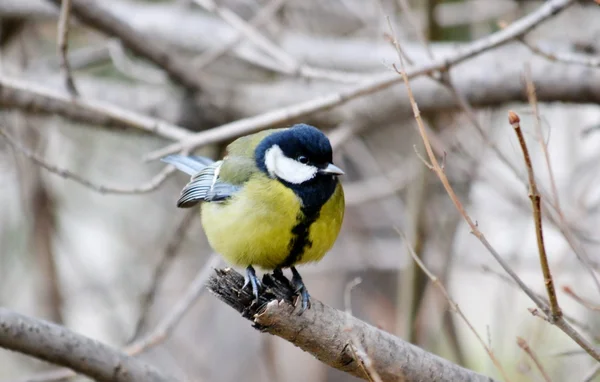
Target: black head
301, 158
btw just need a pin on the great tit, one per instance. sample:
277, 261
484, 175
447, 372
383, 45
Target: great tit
274, 201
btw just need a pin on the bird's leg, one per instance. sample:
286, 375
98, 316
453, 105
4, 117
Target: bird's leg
300, 288
279, 276
251, 279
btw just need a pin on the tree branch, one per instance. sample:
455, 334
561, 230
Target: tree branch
56, 344
282, 115
322, 331
93, 14
29, 97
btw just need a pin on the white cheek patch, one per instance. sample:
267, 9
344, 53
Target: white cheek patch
286, 168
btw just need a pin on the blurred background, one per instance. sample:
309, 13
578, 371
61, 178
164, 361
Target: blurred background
89, 260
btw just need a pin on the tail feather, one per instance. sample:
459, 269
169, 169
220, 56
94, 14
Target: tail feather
191, 165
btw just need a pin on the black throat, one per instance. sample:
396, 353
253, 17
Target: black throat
313, 194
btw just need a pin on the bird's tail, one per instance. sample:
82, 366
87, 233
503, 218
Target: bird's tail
191, 165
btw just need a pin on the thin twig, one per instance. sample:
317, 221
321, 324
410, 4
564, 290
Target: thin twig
566, 58
562, 222
581, 325
285, 62
262, 16
560, 321
453, 305
525, 346
63, 46
303, 109
169, 255
149, 186
251, 33
535, 197
590, 305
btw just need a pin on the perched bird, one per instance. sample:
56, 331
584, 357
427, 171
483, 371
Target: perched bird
274, 201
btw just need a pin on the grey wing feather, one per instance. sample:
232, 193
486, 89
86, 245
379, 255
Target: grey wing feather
191, 165
205, 186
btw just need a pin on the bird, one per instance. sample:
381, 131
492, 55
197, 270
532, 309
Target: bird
274, 201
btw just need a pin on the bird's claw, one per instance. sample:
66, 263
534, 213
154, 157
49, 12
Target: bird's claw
251, 279
300, 290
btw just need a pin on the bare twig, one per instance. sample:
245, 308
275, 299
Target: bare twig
56, 344
523, 345
251, 33
560, 321
262, 16
169, 255
63, 46
286, 63
566, 58
99, 17
282, 115
149, 186
453, 305
320, 331
581, 325
562, 222
590, 305
535, 197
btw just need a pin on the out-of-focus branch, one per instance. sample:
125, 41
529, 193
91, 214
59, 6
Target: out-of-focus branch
434, 164
453, 305
56, 344
169, 254
63, 46
160, 333
29, 97
149, 186
282, 115
566, 58
99, 17
321, 331
525, 346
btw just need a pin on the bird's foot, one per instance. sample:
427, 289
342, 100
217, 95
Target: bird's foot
300, 289
253, 281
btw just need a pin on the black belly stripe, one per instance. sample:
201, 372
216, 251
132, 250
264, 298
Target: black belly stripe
300, 237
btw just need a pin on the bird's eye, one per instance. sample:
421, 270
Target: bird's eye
302, 159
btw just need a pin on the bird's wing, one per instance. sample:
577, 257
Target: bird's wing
205, 184
190, 164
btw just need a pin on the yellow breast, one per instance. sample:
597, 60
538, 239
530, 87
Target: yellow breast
255, 226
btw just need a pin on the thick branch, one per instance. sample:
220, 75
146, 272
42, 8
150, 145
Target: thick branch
325, 333
60, 346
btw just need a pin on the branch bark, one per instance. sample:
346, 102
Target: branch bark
325, 333
58, 345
